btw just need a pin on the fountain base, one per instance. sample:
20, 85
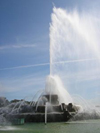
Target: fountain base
51, 111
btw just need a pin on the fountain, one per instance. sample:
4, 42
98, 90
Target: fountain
73, 56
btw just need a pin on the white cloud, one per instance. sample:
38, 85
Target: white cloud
26, 66
27, 83
17, 46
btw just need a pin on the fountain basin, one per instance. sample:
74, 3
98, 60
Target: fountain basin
40, 117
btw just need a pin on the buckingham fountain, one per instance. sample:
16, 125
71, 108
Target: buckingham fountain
55, 104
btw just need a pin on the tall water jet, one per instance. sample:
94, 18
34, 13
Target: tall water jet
74, 51
55, 84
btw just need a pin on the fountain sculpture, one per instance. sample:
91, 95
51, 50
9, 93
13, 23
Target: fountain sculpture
50, 106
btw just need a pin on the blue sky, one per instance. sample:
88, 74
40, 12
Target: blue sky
24, 42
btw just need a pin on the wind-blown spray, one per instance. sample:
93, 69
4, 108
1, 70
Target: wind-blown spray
74, 50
